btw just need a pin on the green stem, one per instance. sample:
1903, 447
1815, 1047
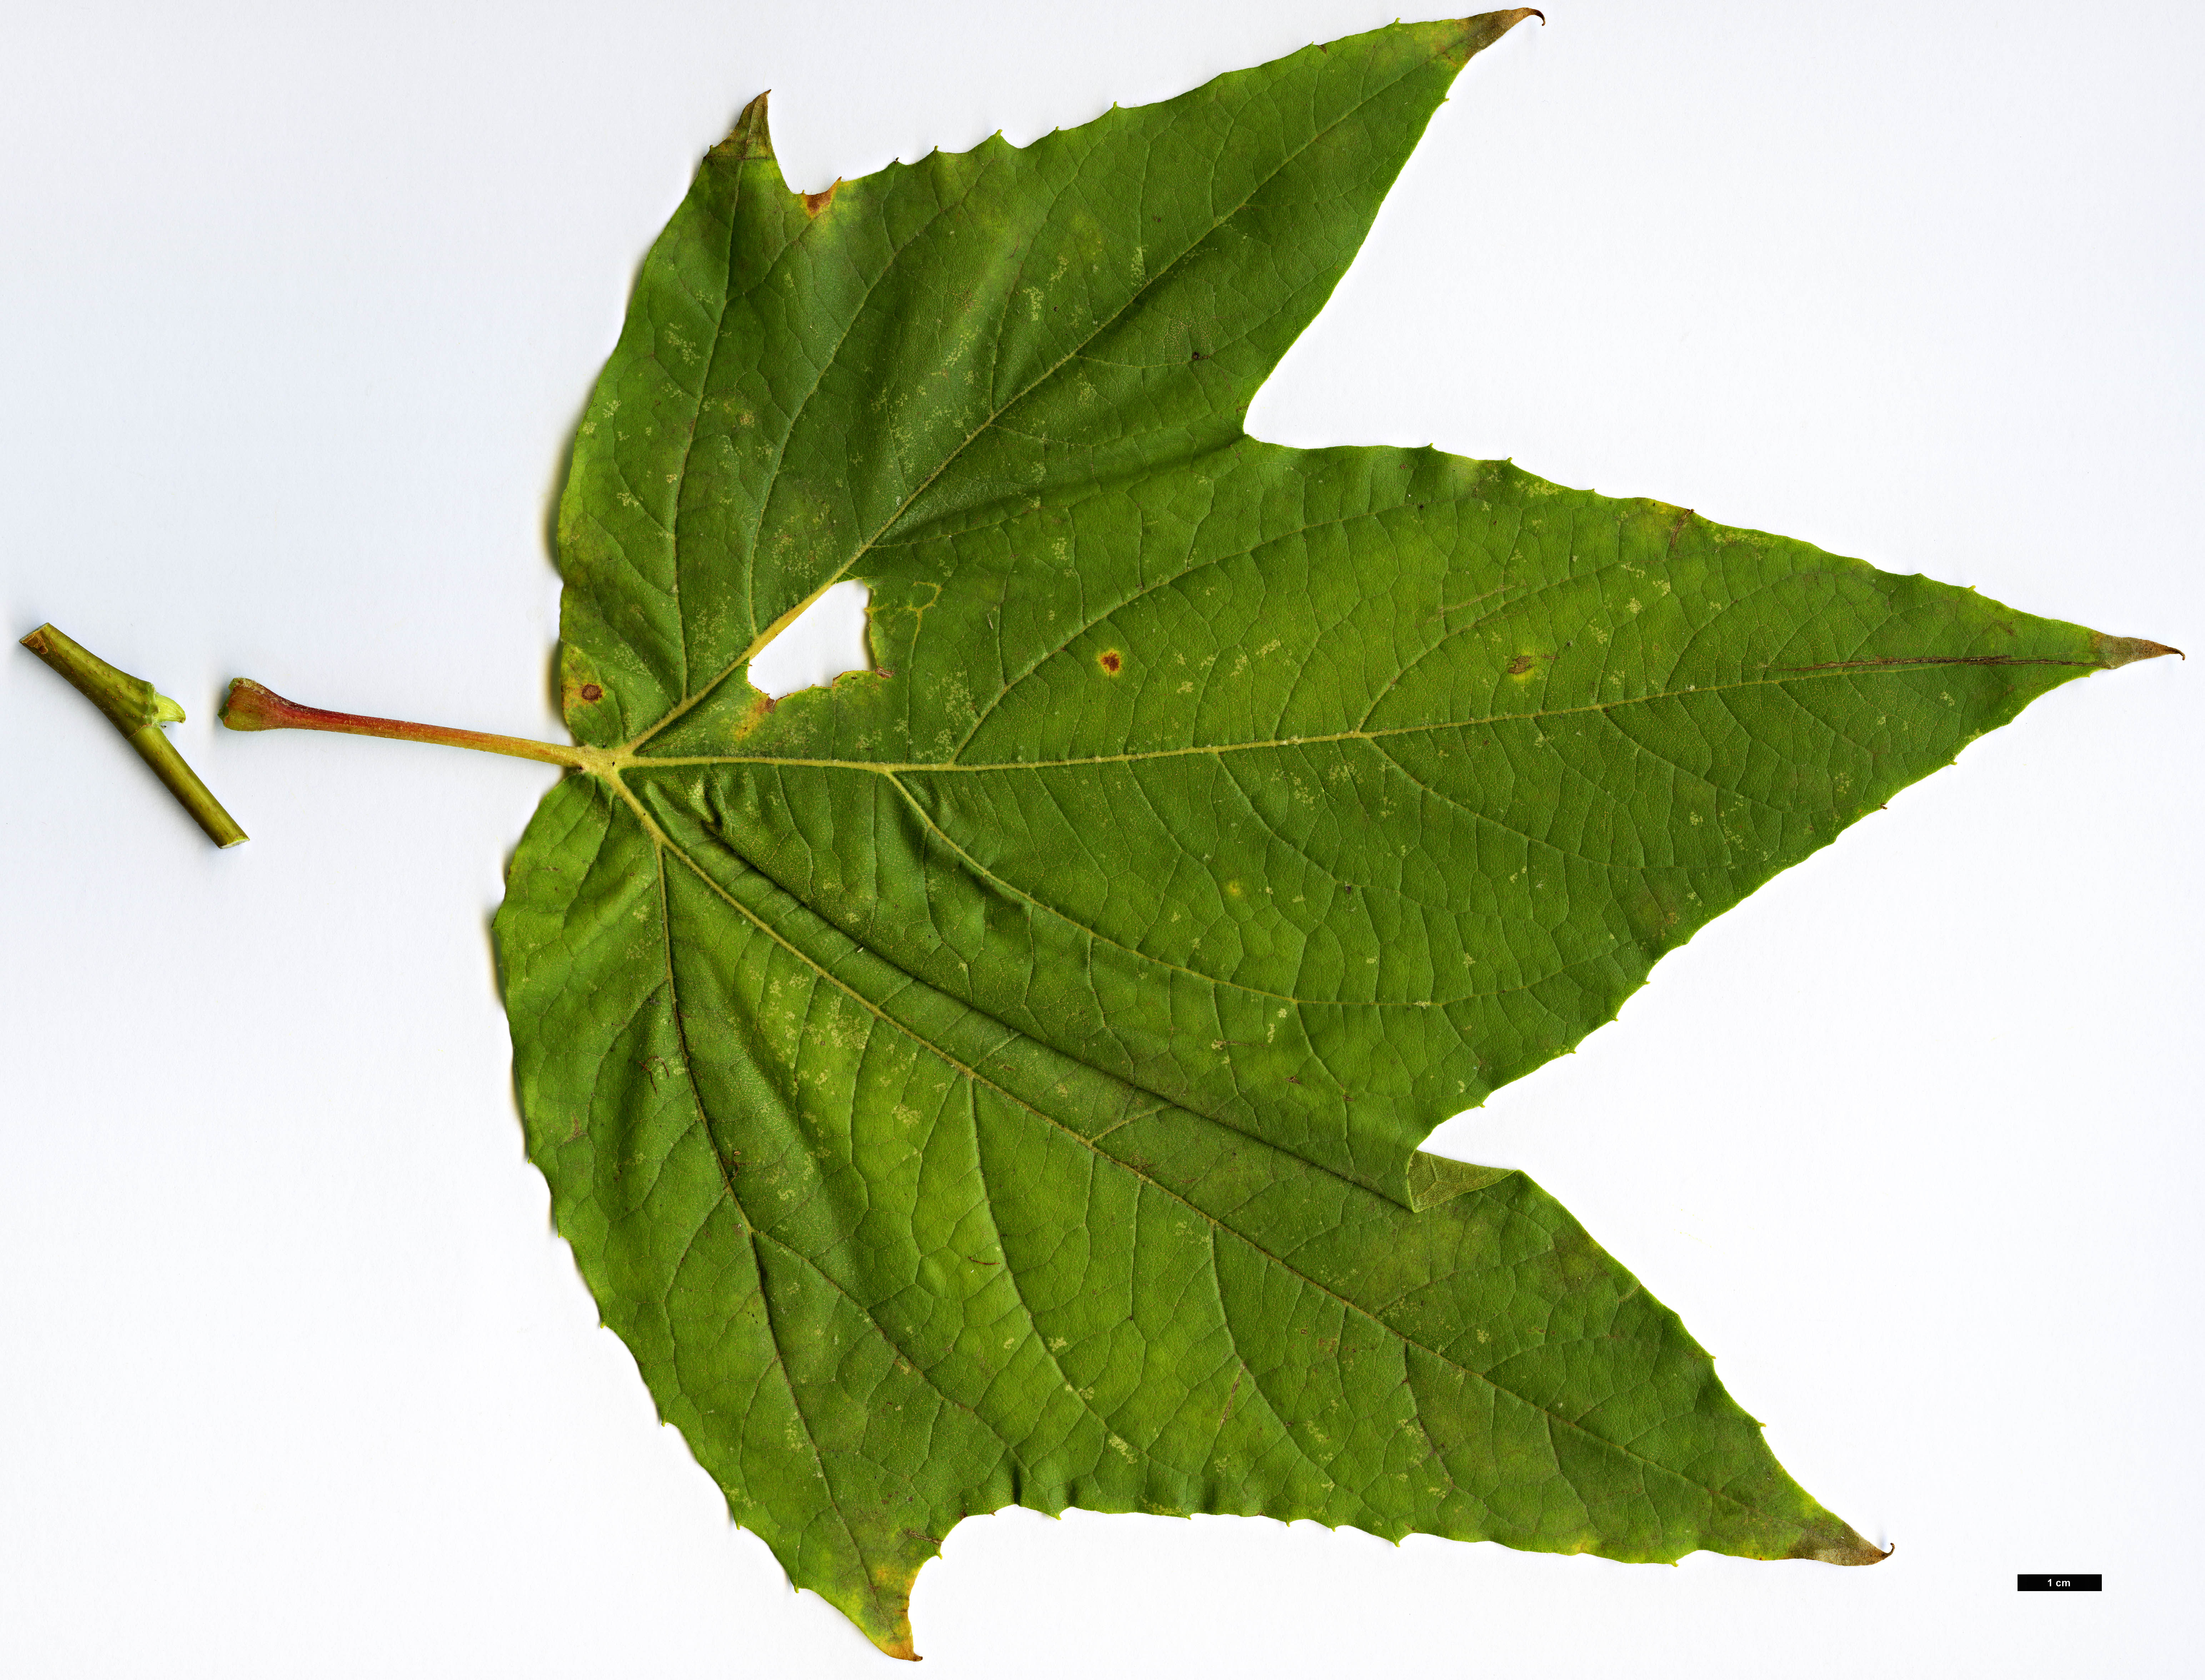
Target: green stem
178, 777
250, 706
131, 704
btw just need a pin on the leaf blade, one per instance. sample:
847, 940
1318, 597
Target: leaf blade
869, 1262
914, 1044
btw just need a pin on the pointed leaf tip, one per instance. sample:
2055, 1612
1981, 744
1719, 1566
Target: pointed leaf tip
1480, 31
1837, 1542
749, 137
886, 1619
2115, 651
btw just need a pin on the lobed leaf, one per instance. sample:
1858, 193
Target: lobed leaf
998, 1077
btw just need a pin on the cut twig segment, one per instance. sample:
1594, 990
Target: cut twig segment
131, 704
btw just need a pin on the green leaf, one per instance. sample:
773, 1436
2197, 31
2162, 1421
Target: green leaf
998, 1077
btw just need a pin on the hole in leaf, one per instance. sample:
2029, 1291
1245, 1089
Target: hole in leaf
818, 646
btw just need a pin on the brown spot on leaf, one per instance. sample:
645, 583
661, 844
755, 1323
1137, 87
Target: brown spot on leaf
760, 708
590, 690
815, 202
1111, 661
1521, 663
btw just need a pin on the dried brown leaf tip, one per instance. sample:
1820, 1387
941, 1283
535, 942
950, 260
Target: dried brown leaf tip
2115, 651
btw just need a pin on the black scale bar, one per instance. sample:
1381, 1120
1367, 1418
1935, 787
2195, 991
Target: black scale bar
2059, 1584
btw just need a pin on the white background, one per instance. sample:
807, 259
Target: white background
298, 304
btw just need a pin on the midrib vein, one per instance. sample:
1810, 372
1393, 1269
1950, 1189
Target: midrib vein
1209, 750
